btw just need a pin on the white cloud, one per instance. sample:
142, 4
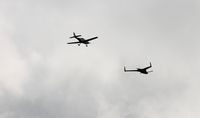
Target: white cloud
13, 68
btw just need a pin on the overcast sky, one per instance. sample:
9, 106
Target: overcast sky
42, 77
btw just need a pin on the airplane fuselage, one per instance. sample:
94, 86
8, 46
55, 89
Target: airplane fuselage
144, 71
82, 40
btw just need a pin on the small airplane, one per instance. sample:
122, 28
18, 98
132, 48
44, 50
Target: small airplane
141, 70
81, 40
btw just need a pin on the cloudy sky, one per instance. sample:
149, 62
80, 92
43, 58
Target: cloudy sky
42, 77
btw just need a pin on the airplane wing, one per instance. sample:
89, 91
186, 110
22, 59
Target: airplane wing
73, 42
130, 70
91, 39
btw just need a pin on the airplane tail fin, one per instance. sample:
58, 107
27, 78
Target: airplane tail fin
75, 36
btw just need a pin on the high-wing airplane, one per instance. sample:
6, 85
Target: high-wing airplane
141, 70
81, 40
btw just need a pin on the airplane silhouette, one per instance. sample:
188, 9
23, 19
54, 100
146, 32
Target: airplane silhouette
141, 70
81, 40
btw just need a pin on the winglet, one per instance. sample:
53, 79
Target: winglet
150, 64
124, 69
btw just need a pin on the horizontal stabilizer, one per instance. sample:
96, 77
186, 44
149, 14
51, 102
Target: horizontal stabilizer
76, 36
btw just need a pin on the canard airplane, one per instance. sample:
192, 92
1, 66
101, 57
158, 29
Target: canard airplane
141, 70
